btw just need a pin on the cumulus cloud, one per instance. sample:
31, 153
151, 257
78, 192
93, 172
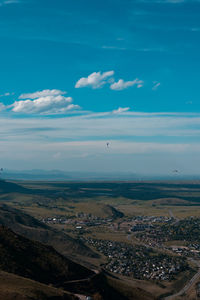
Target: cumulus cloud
43, 93
122, 85
44, 102
95, 80
120, 110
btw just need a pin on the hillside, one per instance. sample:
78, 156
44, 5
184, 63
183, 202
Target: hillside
98, 209
10, 187
115, 213
25, 264
107, 287
30, 227
14, 287
36, 261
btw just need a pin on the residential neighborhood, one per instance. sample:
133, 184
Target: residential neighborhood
138, 261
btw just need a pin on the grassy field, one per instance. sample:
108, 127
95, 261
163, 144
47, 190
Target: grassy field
131, 198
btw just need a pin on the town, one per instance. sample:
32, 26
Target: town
146, 255
139, 262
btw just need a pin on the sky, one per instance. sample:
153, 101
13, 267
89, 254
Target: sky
78, 74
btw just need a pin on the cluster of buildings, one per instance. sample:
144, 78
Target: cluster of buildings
152, 219
80, 220
192, 250
139, 262
143, 223
187, 230
56, 220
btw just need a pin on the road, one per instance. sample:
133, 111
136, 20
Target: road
188, 285
171, 214
81, 297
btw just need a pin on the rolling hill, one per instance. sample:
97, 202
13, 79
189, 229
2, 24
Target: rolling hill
10, 187
30, 227
36, 261
30, 270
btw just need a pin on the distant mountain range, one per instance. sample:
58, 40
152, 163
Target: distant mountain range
63, 175
58, 175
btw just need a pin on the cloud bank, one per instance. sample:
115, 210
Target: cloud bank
79, 142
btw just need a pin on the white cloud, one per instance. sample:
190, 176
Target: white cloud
159, 139
129, 124
121, 110
43, 93
122, 85
156, 85
44, 102
95, 80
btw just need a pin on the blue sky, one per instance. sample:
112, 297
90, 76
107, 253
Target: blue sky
76, 74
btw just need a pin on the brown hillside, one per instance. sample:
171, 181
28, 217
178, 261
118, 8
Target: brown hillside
14, 287
33, 260
30, 227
